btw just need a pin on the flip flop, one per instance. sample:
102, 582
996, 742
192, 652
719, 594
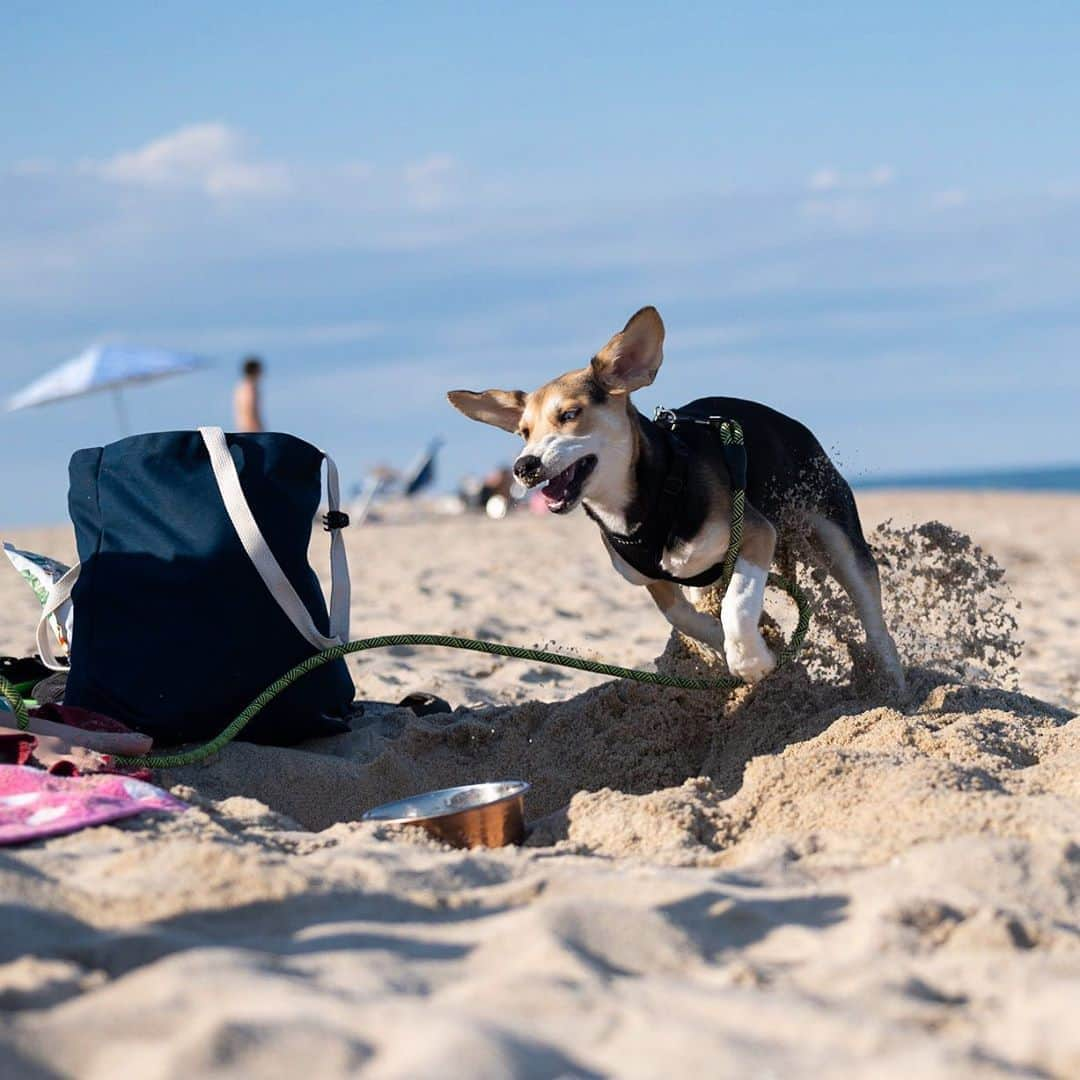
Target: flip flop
24, 673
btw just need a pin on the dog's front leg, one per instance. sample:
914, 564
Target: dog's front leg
678, 611
684, 616
740, 612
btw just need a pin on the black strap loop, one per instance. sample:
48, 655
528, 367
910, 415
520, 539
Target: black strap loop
335, 519
735, 460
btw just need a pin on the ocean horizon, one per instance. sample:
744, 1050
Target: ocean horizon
1032, 478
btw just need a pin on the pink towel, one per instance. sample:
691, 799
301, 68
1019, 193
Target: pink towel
35, 804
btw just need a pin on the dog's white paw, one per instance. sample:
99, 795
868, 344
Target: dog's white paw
749, 658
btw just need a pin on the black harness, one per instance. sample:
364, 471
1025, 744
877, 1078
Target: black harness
644, 547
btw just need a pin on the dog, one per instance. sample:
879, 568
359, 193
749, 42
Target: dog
662, 494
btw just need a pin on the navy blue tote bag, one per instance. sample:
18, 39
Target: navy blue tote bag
194, 592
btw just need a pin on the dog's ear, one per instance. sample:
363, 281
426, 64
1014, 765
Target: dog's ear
502, 408
631, 359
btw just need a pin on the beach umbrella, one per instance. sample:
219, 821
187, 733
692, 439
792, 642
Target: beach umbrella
104, 367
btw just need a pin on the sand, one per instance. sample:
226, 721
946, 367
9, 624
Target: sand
814, 878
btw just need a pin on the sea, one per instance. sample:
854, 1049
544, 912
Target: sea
1035, 478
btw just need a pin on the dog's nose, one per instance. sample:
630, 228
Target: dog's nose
526, 468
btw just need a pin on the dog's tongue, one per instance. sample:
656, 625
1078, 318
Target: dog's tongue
557, 486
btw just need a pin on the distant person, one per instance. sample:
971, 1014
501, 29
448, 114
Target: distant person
246, 398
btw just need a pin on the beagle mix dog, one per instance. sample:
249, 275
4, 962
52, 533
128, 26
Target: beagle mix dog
661, 494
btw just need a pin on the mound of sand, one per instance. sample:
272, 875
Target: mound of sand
965, 762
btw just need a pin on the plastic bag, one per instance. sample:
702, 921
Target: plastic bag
41, 574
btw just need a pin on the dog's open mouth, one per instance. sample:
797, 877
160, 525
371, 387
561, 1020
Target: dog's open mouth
563, 491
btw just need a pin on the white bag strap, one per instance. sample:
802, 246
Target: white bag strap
236, 506
340, 584
59, 594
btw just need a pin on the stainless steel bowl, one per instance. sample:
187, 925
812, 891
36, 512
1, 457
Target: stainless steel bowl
476, 815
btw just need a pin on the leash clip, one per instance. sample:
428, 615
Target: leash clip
335, 519
665, 417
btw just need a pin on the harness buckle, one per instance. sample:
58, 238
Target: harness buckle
335, 519
670, 418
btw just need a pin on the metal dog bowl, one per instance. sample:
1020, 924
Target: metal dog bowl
476, 815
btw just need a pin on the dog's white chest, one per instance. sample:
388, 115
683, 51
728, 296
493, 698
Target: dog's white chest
687, 559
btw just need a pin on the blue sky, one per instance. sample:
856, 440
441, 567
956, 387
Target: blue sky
865, 216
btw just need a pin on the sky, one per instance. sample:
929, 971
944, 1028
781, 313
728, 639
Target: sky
867, 216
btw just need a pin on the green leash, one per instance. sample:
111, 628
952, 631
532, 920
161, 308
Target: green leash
730, 433
15, 699
494, 648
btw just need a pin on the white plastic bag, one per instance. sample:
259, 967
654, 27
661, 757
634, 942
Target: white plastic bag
41, 574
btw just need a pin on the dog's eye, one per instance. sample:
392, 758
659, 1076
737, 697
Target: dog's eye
524, 433
568, 415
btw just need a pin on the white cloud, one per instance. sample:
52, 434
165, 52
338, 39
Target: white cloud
950, 199
427, 182
843, 212
881, 176
357, 170
829, 179
211, 158
824, 180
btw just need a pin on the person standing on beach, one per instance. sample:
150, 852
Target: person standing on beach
246, 403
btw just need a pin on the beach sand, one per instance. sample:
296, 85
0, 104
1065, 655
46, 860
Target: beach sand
813, 878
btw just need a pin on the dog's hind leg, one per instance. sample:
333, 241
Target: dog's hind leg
850, 561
